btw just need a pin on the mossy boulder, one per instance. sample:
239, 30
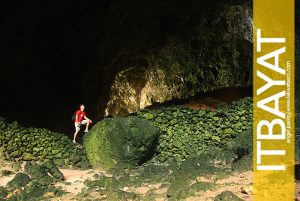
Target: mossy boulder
33, 191
121, 141
36, 184
38, 173
41, 172
19, 180
227, 196
54, 171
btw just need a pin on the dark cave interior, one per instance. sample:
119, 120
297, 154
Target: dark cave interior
51, 49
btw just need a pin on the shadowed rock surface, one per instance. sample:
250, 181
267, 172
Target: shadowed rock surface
215, 53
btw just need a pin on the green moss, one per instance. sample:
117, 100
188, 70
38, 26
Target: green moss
37, 144
39, 182
180, 188
120, 195
96, 183
192, 189
242, 144
41, 173
148, 197
28, 157
176, 186
54, 171
19, 180
243, 164
120, 142
3, 192
153, 173
201, 186
110, 187
185, 132
109, 183
33, 191
227, 196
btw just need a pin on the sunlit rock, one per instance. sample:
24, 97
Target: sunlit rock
218, 54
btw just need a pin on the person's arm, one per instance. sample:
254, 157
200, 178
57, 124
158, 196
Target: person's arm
85, 117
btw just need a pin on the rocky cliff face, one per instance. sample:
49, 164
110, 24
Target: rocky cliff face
216, 54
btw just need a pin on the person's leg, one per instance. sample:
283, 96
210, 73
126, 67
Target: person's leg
77, 129
87, 126
86, 122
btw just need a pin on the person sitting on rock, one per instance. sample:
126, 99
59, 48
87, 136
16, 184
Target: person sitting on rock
81, 119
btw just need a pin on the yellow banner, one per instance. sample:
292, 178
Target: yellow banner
273, 91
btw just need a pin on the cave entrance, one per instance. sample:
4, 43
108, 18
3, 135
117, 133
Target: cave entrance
211, 99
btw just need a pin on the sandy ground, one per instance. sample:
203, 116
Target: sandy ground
5, 180
75, 178
232, 183
74, 184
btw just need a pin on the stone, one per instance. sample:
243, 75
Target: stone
227, 196
177, 69
49, 194
28, 157
38, 173
54, 171
247, 189
4, 173
59, 162
120, 142
19, 180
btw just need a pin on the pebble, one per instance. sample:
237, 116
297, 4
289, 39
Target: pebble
247, 190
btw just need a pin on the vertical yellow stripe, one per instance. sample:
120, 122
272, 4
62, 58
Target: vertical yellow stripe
273, 76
